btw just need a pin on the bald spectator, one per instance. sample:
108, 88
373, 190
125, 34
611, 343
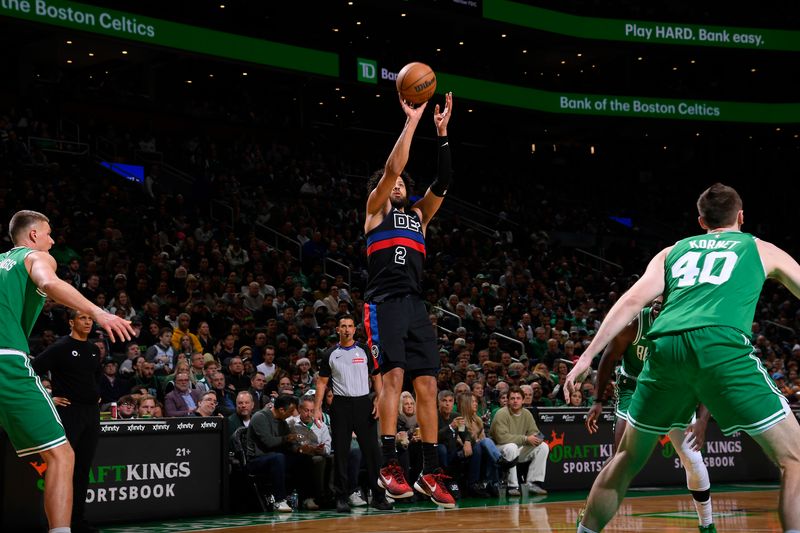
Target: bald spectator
182, 401
237, 379
183, 329
253, 299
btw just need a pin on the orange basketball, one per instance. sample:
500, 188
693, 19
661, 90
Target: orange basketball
416, 83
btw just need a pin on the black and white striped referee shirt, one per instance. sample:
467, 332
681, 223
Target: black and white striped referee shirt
349, 368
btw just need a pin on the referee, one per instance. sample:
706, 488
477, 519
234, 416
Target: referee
74, 365
352, 410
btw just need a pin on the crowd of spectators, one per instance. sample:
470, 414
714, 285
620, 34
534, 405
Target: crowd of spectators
227, 320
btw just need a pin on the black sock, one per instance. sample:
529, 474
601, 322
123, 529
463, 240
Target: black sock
430, 457
388, 448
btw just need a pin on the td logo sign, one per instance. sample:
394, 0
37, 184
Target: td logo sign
367, 70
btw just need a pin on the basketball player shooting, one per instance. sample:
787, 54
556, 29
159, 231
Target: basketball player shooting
399, 333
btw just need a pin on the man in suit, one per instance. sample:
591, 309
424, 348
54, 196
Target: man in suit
183, 400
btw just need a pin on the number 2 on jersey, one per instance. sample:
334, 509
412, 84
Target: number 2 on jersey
400, 255
687, 269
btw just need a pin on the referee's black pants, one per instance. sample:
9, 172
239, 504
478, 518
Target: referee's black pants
82, 426
348, 415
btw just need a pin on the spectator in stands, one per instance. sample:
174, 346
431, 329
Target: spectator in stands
537, 395
126, 407
253, 299
145, 379
306, 376
314, 441
204, 337
207, 405
257, 386
161, 353
183, 400
184, 351
268, 367
576, 399
183, 329
226, 399
53, 317
486, 448
331, 301
237, 380
271, 449
196, 365
181, 367
409, 449
111, 386
146, 406
121, 305
128, 367
518, 437
244, 410
235, 255
456, 444
225, 351
210, 367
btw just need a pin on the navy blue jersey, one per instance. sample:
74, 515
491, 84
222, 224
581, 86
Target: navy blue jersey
396, 253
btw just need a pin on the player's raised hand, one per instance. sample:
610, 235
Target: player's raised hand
413, 113
441, 119
117, 327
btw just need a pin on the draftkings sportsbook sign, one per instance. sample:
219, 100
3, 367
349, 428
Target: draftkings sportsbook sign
152, 469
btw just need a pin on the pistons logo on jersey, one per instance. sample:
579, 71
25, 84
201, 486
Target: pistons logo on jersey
375, 351
404, 221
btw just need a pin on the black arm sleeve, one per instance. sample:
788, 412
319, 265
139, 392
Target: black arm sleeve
444, 171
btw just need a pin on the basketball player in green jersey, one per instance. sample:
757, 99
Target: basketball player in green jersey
632, 347
711, 284
27, 275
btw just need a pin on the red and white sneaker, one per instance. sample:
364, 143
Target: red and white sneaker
392, 478
434, 485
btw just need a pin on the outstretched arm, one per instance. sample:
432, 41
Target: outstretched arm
42, 270
650, 285
611, 355
429, 204
780, 266
397, 160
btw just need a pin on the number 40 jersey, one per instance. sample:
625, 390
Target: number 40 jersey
713, 279
396, 254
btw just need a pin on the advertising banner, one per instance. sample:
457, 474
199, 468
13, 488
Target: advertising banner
122, 25
639, 31
576, 456
142, 469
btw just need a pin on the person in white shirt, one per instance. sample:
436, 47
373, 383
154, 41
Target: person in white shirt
314, 440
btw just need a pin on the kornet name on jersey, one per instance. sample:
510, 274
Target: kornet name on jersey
395, 254
713, 279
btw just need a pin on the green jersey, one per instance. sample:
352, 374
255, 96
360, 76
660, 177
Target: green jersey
20, 300
711, 280
640, 348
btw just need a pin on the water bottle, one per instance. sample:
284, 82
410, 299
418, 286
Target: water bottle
291, 500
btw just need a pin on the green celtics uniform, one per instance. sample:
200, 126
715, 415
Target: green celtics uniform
632, 362
702, 351
26, 411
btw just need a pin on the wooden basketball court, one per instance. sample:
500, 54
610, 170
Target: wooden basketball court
737, 510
